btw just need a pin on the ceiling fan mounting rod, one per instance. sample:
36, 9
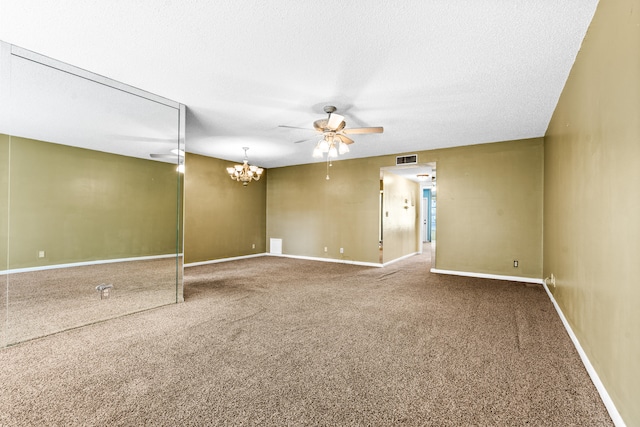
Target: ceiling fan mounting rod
329, 109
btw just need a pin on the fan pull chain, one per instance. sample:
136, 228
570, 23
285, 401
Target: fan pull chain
328, 164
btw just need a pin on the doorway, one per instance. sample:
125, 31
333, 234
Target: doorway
426, 215
425, 175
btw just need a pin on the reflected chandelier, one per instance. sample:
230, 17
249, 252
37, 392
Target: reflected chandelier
245, 173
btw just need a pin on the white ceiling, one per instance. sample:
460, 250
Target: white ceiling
50, 101
433, 73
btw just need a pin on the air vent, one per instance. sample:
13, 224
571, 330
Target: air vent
411, 159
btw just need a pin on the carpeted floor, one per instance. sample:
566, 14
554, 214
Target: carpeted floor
49, 301
284, 342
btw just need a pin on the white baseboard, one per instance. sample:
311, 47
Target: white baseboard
489, 276
604, 395
85, 263
398, 259
340, 261
216, 261
308, 258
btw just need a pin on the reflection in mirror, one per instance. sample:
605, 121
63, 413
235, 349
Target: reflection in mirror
91, 228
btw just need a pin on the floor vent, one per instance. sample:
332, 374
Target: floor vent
275, 246
411, 159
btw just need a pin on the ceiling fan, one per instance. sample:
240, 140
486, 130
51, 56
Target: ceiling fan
334, 132
176, 155
334, 135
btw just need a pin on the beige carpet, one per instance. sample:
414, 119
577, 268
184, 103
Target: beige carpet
48, 301
284, 342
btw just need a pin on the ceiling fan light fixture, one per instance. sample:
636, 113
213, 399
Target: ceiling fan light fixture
317, 152
343, 148
333, 153
323, 144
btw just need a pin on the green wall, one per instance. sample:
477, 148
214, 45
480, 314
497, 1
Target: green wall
4, 194
223, 219
489, 210
310, 213
591, 203
83, 205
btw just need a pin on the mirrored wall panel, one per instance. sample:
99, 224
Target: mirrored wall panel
91, 196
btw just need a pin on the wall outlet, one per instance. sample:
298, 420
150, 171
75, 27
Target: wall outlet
515, 263
552, 280
253, 246
41, 254
325, 249
341, 250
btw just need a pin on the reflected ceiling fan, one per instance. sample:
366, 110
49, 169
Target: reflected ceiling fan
175, 155
334, 134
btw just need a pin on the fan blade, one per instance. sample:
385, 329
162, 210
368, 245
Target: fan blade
164, 156
358, 131
345, 139
293, 127
302, 140
334, 121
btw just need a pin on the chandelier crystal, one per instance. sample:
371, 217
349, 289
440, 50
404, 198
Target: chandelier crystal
245, 173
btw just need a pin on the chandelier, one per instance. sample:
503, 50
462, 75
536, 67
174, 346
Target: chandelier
245, 173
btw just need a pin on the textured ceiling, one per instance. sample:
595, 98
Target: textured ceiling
433, 73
